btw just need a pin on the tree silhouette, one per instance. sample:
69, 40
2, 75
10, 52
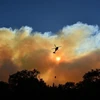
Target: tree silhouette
90, 86
69, 85
4, 88
14, 79
26, 81
92, 76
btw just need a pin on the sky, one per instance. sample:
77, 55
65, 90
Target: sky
48, 15
29, 30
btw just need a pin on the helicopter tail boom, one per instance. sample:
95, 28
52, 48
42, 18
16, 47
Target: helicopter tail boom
54, 52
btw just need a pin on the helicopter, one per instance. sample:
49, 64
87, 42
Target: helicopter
56, 48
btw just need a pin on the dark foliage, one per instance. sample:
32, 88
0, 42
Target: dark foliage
27, 84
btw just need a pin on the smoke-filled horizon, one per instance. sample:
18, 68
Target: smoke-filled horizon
25, 49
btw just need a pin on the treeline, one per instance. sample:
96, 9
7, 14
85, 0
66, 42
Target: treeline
27, 84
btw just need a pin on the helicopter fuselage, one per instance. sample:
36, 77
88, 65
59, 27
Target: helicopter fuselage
56, 48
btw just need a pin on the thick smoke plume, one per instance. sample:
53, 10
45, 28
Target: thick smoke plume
25, 49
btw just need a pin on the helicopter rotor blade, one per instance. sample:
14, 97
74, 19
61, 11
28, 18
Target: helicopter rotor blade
59, 46
53, 48
54, 45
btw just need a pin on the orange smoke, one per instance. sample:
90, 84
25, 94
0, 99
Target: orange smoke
24, 49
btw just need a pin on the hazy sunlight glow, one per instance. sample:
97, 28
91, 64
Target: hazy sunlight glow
58, 58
